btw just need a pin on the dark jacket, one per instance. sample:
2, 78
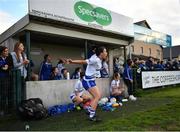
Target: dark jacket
7, 61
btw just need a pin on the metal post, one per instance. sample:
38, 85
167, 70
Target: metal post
130, 42
86, 49
170, 53
130, 54
28, 43
125, 58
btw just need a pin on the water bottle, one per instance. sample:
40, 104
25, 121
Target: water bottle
68, 76
27, 127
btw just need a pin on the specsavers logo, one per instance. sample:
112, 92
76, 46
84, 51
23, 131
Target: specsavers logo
87, 13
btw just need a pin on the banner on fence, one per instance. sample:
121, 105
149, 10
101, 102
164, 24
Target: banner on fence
159, 78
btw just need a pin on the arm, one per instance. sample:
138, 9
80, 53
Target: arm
129, 74
15, 62
77, 93
1, 65
77, 61
41, 71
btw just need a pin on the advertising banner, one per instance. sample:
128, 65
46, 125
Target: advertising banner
159, 78
82, 13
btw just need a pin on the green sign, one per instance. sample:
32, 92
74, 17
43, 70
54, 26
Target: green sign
87, 13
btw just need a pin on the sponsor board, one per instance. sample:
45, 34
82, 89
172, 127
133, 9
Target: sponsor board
159, 78
82, 13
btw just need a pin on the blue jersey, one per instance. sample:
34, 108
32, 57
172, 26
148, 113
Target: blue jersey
3, 62
128, 73
45, 71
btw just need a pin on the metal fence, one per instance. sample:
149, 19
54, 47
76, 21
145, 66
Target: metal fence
11, 92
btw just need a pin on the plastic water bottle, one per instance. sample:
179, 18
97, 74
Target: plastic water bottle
27, 127
68, 76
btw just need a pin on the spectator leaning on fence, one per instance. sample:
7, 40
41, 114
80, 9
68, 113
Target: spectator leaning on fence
20, 60
6, 63
128, 79
5, 67
150, 64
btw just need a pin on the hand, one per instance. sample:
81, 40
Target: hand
5, 67
68, 61
26, 62
131, 81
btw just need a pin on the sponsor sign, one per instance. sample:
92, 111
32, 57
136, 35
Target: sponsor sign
82, 13
160, 78
86, 12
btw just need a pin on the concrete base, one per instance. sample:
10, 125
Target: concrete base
58, 91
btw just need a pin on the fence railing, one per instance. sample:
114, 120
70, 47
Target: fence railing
154, 78
11, 91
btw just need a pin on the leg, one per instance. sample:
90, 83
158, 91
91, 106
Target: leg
91, 87
129, 86
77, 100
86, 98
94, 91
130, 90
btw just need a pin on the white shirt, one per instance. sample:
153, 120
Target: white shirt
94, 66
60, 67
114, 83
78, 88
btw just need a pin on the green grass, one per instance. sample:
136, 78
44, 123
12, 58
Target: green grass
155, 109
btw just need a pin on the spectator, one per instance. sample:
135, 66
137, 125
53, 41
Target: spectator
20, 60
128, 79
136, 73
104, 70
142, 66
65, 74
54, 74
92, 51
168, 65
46, 68
150, 64
5, 89
136, 63
116, 65
79, 96
60, 66
76, 74
116, 89
175, 65
6, 62
158, 66
162, 65
34, 76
